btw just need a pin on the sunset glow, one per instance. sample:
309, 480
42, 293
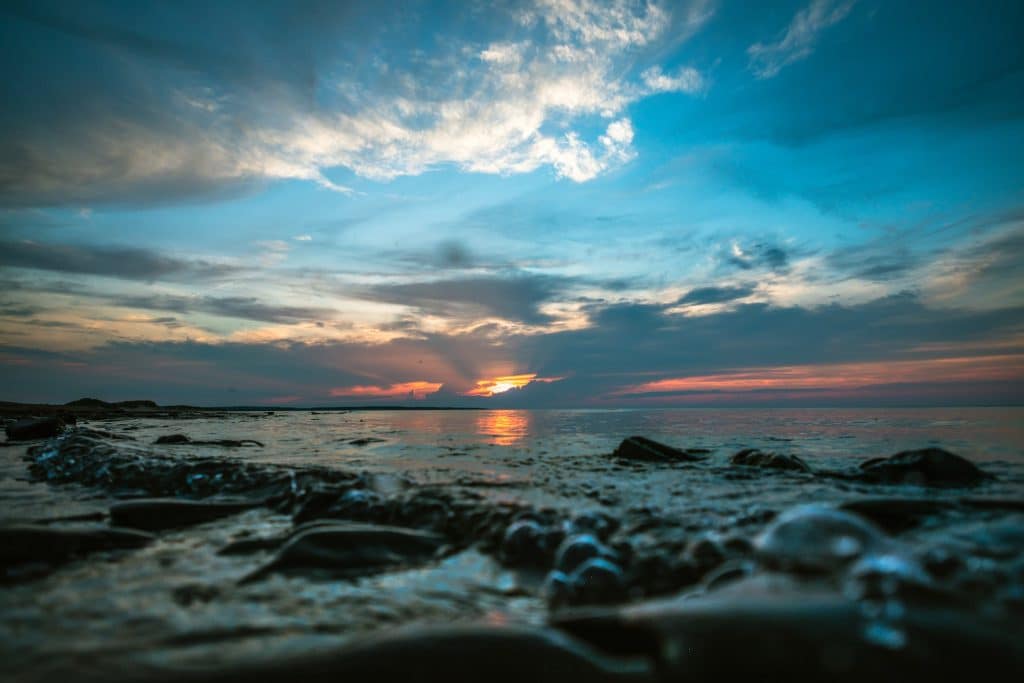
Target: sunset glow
841, 376
415, 390
500, 385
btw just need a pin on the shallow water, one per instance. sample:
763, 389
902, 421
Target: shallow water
178, 602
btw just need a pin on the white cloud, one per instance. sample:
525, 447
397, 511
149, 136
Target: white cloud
768, 59
550, 91
303, 238
686, 79
566, 67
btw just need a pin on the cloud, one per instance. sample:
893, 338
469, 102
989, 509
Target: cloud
824, 348
162, 115
715, 295
800, 37
128, 263
515, 298
686, 80
415, 390
245, 308
759, 255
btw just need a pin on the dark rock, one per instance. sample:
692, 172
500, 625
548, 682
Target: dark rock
597, 581
752, 457
525, 543
557, 589
40, 428
172, 439
35, 543
595, 522
351, 550
887, 576
925, 467
576, 550
815, 538
705, 553
428, 654
728, 573
91, 461
642, 448
802, 636
896, 514
157, 514
226, 443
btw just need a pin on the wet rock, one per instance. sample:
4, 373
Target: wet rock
91, 461
158, 514
728, 573
595, 522
576, 550
194, 593
40, 428
805, 635
644, 449
752, 457
896, 514
815, 538
942, 563
705, 553
432, 654
351, 550
597, 580
924, 467
173, 439
525, 543
557, 589
356, 504
35, 543
887, 576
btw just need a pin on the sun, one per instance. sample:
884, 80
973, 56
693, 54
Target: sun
501, 387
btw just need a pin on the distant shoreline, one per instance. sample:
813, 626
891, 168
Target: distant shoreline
145, 408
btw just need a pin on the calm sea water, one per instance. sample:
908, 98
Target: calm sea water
983, 434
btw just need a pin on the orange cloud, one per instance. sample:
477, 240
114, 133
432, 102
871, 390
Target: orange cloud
416, 390
499, 385
843, 375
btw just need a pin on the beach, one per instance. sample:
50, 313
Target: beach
214, 543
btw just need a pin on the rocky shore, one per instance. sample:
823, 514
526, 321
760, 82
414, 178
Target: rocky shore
910, 564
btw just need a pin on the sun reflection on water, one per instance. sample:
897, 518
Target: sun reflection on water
503, 427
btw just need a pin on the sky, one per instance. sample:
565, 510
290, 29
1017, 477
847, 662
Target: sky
550, 203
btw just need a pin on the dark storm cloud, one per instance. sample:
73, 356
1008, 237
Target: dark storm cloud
512, 298
246, 308
716, 295
126, 263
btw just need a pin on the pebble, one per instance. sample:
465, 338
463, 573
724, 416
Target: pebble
158, 514
351, 550
576, 550
816, 538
